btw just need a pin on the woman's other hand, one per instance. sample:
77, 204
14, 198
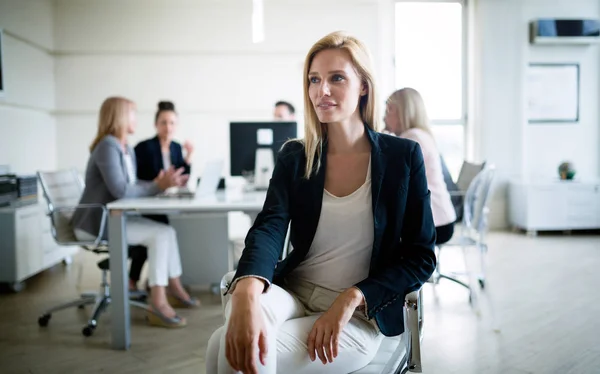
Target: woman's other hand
325, 334
246, 333
188, 146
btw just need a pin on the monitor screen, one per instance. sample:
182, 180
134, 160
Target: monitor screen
246, 137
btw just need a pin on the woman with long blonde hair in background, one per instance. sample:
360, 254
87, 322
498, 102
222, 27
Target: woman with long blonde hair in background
350, 193
111, 175
407, 118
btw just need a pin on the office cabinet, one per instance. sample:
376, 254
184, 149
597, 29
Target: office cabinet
26, 244
554, 205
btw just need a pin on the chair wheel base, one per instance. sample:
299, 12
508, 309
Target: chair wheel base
43, 320
88, 330
16, 287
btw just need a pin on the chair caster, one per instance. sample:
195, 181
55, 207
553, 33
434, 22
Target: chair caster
482, 283
43, 320
16, 287
88, 330
80, 306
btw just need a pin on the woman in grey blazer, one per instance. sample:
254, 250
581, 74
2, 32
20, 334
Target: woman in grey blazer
111, 175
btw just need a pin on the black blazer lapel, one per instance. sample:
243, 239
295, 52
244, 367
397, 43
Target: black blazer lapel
306, 212
378, 166
174, 155
157, 153
312, 191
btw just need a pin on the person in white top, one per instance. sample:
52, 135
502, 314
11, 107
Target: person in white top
361, 228
406, 117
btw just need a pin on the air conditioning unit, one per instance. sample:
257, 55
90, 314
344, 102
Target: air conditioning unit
564, 31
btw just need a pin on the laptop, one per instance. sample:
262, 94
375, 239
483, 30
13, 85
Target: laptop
211, 176
207, 186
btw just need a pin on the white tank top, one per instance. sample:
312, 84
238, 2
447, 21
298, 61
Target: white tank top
166, 157
340, 254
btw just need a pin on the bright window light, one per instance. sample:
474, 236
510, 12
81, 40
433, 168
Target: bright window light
429, 50
429, 58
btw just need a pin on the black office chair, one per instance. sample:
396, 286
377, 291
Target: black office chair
62, 190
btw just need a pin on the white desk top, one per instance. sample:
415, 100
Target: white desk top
220, 202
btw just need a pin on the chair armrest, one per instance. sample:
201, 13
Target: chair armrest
225, 297
414, 324
66, 208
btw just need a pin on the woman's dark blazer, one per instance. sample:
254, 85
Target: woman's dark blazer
150, 162
404, 233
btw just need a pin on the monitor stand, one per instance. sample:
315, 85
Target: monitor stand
263, 168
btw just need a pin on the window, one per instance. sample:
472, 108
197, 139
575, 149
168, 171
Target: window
429, 57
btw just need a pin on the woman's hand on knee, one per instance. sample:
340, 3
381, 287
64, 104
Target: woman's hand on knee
325, 334
246, 336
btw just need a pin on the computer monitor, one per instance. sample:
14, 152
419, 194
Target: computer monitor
249, 140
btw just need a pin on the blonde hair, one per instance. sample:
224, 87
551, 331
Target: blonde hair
411, 109
362, 61
113, 119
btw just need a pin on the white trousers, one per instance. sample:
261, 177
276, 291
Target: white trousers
161, 241
289, 315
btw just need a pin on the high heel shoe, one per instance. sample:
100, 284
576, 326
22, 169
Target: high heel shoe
178, 302
156, 318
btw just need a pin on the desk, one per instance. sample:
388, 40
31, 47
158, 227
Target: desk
222, 202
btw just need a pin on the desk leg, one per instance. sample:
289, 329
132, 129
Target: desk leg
119, 308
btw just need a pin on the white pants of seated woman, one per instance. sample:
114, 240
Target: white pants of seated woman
289, 315
160, 240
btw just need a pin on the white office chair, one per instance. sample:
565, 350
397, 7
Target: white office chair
62, 190
396, 355
472, 231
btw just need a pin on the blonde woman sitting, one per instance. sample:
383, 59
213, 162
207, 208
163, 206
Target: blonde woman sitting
111, 175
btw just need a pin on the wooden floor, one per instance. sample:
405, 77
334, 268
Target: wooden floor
544, 293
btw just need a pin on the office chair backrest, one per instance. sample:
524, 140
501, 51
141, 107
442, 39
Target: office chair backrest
61, 188
468, 171
477, 198
455, 196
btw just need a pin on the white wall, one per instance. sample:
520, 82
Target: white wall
28, 141
546, 144
198, 54
503, 135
